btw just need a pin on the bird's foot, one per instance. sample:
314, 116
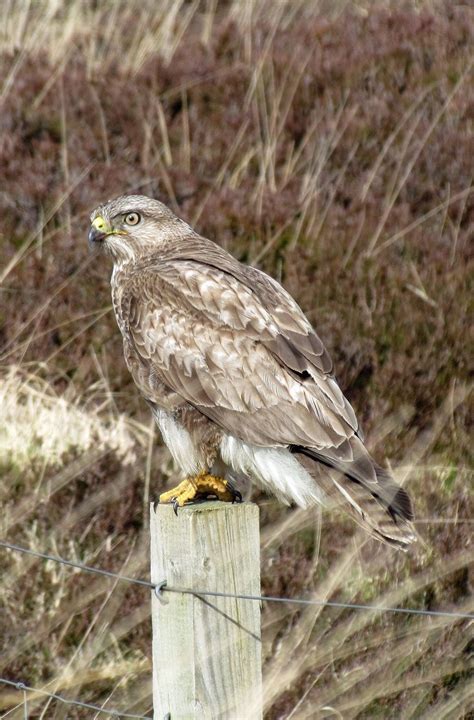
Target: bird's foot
200, 487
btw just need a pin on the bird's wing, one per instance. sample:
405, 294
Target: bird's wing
240, 350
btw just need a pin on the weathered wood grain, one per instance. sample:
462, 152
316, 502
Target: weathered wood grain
206, 651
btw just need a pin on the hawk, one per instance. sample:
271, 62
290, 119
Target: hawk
236, 377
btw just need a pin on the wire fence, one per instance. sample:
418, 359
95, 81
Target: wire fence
66, 701
162, 587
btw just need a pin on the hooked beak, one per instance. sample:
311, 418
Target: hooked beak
99, 230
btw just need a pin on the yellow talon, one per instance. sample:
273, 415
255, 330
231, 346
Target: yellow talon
184, 488
199, 487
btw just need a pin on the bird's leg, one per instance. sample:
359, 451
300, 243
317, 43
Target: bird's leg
200, 487
186, 490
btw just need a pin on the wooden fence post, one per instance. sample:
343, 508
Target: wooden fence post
206, 650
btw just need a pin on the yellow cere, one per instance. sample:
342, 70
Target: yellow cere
99, 224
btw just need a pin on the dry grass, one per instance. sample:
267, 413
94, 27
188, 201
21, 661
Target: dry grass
332, 145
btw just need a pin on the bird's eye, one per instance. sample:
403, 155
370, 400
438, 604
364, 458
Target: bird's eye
132, 218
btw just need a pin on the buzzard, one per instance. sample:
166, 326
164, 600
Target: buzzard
236, 377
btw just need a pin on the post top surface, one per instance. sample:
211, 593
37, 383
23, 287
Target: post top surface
207, 506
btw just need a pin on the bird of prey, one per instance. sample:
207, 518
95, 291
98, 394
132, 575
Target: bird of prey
238, 380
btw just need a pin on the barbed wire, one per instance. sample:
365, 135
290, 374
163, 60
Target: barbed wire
162, 587
78, 703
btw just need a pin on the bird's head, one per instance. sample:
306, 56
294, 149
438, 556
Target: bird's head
133, 226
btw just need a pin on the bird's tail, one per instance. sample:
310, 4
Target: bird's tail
373, 499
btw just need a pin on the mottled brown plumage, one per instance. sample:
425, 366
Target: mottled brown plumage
233, 370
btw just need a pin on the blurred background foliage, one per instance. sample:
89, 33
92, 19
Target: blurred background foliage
329, 143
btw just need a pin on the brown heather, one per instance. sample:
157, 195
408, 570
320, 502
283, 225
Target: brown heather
331, 146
